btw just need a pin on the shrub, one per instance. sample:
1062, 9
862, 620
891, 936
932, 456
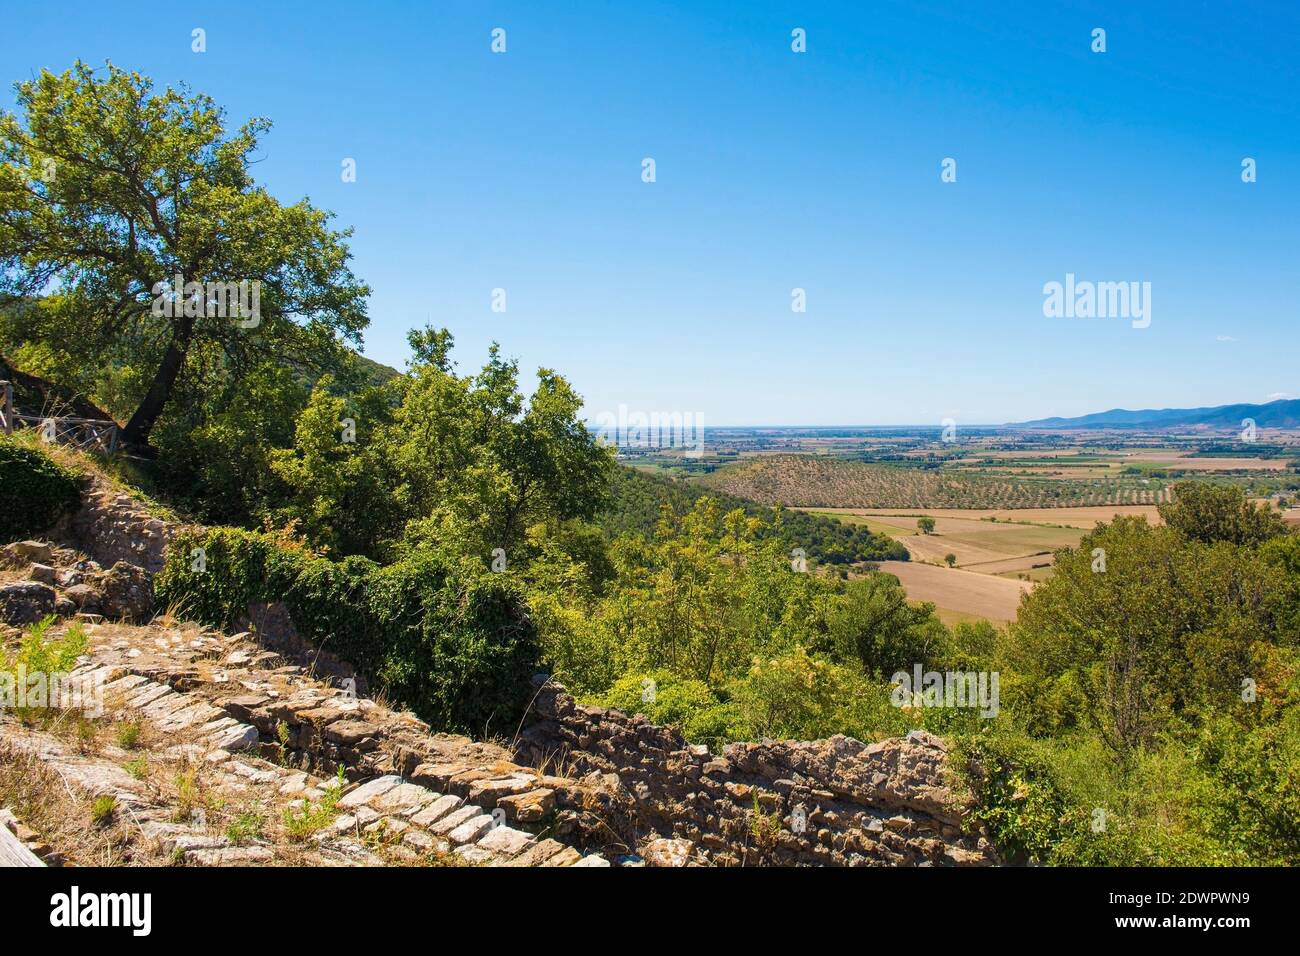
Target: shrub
447, 639
660, 696
38, 654
1070, 802
102, 811
128, 735
37, 491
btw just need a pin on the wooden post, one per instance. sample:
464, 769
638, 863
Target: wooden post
13, 852
8, 407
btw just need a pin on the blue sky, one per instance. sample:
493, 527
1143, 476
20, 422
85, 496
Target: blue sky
778, 170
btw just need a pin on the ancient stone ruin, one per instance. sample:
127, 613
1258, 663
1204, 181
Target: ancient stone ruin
269, 716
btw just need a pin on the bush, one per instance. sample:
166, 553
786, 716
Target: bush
449, 641
39, 654
1070, 802
37, 491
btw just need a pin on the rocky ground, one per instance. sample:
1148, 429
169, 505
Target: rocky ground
211, 750
38, 579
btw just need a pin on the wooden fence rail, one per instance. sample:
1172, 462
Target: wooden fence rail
82, 433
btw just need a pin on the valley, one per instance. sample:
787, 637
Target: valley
1003, 499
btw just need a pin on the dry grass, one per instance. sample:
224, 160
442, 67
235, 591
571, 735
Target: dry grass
118, 474
63, 818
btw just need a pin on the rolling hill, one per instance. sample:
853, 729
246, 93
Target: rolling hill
1283, 413
807, 481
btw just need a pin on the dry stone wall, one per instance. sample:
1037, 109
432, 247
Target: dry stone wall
588, 777
823, 802
112, 526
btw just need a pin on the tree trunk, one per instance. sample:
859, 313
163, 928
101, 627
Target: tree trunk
141, 424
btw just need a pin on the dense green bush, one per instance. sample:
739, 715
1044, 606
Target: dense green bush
1153, 697
449, 641
1068, 801
37, 492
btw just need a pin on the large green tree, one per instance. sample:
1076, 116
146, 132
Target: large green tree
468, 463
110, 190
1200, 511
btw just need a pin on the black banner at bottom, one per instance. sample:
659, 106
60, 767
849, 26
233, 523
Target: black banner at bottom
145, 906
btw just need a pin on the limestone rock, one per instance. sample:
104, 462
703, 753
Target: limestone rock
472, 829
85, 597
27, 552
506, 841
127, 593
25, 602
528, 807
667, 852
367, 792
41, 572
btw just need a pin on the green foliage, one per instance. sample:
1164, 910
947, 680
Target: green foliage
444, 637
662, 697
1209, 513
1166, 630
215, 452
339, 498
37, 491
461, 463
738, 642
109, 189
800, 696
1019, 801
1069, 801
310, 818
1251, 752
1152, 690
102, 810
40, 655
128, 734
247, 827
638, 499
872, 621
795, 696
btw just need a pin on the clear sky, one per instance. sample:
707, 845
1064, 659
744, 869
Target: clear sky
778, 170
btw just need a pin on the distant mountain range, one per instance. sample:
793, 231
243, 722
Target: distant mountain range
1284, 413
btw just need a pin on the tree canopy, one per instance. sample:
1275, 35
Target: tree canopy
111, 192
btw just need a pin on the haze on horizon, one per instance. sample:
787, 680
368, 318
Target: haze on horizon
775, 171
1021, 421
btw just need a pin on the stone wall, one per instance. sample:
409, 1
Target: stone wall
112, 526
605, 780
826, 802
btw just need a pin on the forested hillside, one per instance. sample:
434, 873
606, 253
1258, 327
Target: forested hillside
638, 500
